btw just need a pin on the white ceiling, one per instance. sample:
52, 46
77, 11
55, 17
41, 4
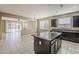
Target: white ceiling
38, 10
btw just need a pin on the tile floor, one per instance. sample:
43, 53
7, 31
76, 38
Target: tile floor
69, 48
15, 43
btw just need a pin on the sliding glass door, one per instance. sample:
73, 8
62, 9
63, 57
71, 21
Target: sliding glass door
12, 26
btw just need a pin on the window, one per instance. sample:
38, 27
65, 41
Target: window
13, 26
64, 22
44, 24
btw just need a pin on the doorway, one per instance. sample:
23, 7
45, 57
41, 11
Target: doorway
13, 30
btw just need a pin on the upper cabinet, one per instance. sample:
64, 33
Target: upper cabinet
53, 22
75, 21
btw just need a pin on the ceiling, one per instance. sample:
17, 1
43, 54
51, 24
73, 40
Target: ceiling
37, 11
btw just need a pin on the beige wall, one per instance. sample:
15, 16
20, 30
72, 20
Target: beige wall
57, 17
2, 26
30, 27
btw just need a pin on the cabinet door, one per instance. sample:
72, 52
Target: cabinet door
76, 21
53, 22
41, 46
59, 43
55, 46
52, 48
76, 39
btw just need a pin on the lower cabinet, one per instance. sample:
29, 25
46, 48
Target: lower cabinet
73, 37
53, 49
59, 42
56, 46
42, 46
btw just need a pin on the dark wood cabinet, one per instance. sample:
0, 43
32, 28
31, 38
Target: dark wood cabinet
73, 37
43, 46
53, 22
75, 21
59, 43
52, 48
56, 46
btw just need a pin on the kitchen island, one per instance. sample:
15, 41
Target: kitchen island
47, 42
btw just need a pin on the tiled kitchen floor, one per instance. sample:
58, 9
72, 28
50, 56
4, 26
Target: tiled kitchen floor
15, 43
69, 48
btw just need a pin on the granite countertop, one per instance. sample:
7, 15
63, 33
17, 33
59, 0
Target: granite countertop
66, 30
47, 35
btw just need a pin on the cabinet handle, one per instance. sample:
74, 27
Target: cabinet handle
39, 42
